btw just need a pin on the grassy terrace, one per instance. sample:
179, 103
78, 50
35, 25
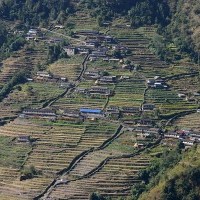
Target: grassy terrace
26, 58
114, 179
12, 154
112, 67
185, 122
167, 101
69, 67
76, 101
111, 180
55, 147
32, 94
128, 93
189, 85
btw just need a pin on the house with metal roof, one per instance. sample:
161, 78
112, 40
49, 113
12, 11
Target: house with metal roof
92, 113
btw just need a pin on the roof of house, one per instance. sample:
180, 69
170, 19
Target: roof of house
39, 111
88, 110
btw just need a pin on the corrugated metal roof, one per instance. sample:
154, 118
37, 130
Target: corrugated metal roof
88, 110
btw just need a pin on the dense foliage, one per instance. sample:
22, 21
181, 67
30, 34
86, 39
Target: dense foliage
183, 187
151, 176
34, 12
184, 27
16, 79
139, 12
9, 42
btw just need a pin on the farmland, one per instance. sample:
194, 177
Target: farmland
97, 107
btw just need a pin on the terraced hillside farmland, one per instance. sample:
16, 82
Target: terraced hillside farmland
113, 180
69, 68
185, 122
54, 149
27, 58
94, 120
167, 101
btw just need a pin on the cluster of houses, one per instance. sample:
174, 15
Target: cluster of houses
74, 115
92, 44
157, 83
191, 97
44, 76
99, 77
188, 137
96, 44
34, 34
112, 111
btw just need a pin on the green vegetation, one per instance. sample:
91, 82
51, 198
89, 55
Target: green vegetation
118, 153
9, 42
35, 12
178, 181
12, 154
18, 78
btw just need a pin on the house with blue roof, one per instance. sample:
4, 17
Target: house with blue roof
92, 113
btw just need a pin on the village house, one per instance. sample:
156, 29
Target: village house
73, 115
24, 139
119, 48
81, 90
150, 82
66, 85
94, 75
157, 83
44, 74
148, 107
145, 121
87, 32
188, 142
98, 54
127, 67
100, 90
171, 135
139, 145
58, 26
83, 50
54, 40
195, 135
113, 111
32, 32
101, 38
92, 113
181, 95
39, 113
141, 129
71, 51
92, 43
108, 79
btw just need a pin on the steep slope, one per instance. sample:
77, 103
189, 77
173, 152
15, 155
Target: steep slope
179, 182
184, 28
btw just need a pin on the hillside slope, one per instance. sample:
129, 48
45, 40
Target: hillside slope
184, 28
179, 182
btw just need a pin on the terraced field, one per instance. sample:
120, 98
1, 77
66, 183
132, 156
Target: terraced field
69, 68
28, 58
129, 93
167, 101
54, 149
113, 180
185, 122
